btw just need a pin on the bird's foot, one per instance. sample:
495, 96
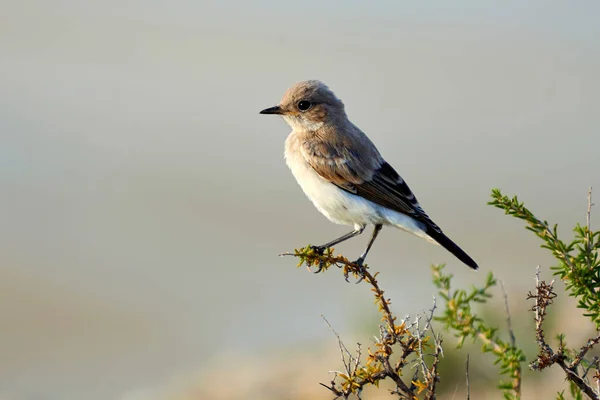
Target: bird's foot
360, 270
320, 250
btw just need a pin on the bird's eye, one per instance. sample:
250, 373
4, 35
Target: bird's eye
304, 105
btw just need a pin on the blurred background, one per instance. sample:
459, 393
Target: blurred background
144, 201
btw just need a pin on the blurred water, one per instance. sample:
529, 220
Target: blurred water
144, 200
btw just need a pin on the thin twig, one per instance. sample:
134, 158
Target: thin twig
395, 377
589, 210
591, 343
516, 380
433, 372
338, 393
385, 303
468, 383
429, 326
511, 332
343, 348
421, 357
589, 235
357, 358
594, 363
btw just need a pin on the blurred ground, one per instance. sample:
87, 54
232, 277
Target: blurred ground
144, 201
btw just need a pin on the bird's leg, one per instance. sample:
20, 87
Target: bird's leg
362, 257
357, 231
321, 249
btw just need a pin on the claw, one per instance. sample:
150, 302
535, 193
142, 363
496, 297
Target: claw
362, 276
320, 251
361, 271
346, 272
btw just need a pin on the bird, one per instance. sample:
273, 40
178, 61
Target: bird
344, 175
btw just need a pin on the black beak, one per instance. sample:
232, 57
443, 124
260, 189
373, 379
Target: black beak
272, 110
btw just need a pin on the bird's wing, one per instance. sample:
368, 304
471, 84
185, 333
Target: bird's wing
374, 179
369, 177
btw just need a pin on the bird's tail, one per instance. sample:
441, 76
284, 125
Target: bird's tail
452, 247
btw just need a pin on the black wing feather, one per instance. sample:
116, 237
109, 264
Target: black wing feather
388, 189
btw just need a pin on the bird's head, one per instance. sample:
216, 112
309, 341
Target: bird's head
308, 105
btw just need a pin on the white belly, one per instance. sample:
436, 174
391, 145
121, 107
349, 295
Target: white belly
341, 207
336, 204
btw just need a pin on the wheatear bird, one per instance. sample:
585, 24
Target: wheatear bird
342, 172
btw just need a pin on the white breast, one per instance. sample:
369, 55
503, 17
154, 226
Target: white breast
336, 204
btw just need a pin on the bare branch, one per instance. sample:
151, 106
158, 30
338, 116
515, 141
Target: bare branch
544, 296
572, 376
332, 387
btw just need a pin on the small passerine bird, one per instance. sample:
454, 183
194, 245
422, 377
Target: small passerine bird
344, 175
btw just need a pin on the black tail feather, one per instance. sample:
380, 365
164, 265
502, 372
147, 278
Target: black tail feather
452, 247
